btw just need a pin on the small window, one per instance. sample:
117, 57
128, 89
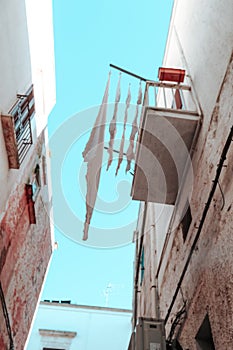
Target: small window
186, 221
204, 337
142, 267
175, 345
36, 182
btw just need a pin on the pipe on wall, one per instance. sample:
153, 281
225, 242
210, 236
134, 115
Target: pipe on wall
140, 238
154, 285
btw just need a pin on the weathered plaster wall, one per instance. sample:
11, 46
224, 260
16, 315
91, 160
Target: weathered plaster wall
27, 57
203, 41
25, 250
205, 35
16, 78
41, 45
15, 65
208, 283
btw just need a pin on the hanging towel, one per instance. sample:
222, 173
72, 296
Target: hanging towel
130, 151
128, 99
93, 155
112, 126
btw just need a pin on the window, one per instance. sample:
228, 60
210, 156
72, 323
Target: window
142, 266
204, 337
17, 128
175, 345
186, 220
36, 182
56, 340
22, 112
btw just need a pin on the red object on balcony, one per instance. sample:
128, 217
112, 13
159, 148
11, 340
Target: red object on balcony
171, 74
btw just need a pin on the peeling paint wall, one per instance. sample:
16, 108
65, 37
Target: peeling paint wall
25, 250
208, 283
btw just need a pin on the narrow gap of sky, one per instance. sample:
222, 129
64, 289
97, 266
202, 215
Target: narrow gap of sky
89, 35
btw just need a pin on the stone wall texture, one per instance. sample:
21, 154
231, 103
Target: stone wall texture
25, 250
208, 283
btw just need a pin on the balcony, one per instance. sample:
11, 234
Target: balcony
168, 129
16, 127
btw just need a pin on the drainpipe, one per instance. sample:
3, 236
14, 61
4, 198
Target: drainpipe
6, 317
154, 286
140, 238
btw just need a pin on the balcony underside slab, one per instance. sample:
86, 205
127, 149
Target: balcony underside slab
163, 150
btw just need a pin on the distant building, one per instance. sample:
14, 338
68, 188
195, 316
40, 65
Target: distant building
26, 244
184, 244
65, 326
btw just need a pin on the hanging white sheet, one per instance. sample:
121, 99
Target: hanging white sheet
93, 155
130, 151
120, 158
112, 126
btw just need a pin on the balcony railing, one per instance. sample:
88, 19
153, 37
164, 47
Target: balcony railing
17, 128
169, 96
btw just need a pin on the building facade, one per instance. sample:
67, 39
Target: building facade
26, 240
184, 244
66, 326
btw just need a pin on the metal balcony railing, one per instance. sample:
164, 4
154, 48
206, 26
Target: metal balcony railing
22, 112
173, 96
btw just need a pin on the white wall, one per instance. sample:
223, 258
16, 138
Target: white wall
200, 40
41, 41
20, 63
201, 30
97, 328
15, 73
15, 66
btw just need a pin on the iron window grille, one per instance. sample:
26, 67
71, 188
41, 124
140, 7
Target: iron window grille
22, 112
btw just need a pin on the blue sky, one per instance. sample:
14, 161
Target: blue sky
88, 37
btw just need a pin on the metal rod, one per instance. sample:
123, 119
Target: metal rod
161, 84
164, 97
6, 317
174, 100
155, 96
127, 72
114, 150
183, 99
138, 257
152, 82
